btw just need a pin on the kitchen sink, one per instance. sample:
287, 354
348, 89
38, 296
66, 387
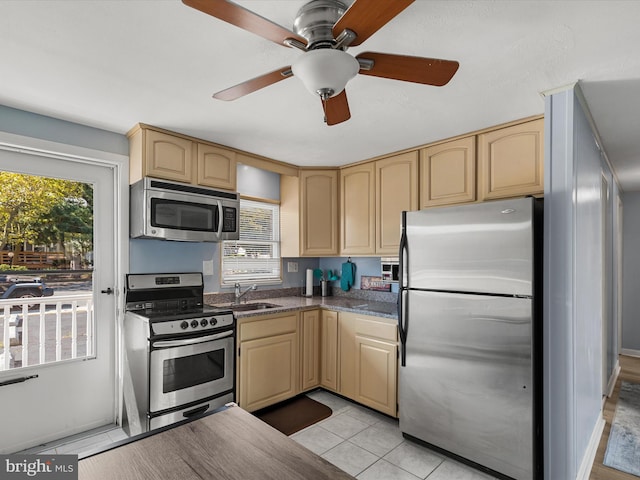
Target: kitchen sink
247, 307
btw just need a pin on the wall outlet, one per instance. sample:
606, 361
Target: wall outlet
292, 267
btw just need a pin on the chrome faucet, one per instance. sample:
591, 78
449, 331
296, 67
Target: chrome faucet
239, 294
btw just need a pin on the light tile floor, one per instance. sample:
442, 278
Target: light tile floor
370, 446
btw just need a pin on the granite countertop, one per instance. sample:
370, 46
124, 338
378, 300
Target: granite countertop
387, 310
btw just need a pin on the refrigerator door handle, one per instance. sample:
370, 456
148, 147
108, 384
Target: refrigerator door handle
402, 302
403, 252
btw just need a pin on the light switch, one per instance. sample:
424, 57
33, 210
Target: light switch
292, 267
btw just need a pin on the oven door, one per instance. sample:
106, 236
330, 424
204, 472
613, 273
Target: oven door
182, 371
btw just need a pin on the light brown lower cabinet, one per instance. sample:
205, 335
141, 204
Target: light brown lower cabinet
329, 350
268, 360
376, 374
281, 355
310, 349
368, 361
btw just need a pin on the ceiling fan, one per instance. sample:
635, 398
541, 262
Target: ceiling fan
324, 29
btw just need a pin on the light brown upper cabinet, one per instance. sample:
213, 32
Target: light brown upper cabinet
511, 161
373, 195
396, 190
216, 167
309, 213
448, 173
357, 210
319, 212
159, 154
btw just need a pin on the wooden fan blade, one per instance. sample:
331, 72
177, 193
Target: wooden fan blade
254, 84
246, 19
336, 109
428, 71
366, 17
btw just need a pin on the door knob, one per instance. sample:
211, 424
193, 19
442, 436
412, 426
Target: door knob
108, 291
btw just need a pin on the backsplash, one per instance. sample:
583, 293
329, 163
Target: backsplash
371, 295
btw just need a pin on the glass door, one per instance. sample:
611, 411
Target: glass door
58, 333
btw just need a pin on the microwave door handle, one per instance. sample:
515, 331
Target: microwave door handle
220, 218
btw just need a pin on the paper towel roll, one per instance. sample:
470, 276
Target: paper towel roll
309, 289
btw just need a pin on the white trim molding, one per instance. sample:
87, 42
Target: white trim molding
590, 454
629, 352
119, 164
612, 381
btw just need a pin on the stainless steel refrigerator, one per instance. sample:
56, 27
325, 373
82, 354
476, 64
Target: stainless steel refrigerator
470, 330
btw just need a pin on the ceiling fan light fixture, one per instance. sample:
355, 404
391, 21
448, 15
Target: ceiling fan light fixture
325, 70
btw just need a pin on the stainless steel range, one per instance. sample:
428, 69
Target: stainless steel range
179, 355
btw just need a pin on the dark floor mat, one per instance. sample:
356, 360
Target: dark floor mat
293, 415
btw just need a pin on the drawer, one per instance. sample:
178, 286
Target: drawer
372, 326
382, 330
267, 327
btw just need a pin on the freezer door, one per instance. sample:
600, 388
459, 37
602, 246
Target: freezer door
467, 386
484, 247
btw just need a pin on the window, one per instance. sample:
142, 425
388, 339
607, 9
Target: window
255, 257
46, 253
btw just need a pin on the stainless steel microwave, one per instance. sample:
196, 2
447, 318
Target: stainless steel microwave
177, 211
389, 269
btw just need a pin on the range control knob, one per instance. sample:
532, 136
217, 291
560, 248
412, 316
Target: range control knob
194, 323
204, 322
184, 324
213, 321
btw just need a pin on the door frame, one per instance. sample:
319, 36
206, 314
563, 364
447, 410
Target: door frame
120, 167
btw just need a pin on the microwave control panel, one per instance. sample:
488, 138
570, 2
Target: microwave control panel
229, 219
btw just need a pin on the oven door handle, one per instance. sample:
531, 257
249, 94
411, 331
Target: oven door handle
190, 341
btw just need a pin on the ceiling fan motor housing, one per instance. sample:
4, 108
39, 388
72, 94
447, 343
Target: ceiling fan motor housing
315, 21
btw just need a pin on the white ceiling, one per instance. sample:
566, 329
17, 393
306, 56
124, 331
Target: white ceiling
113, 63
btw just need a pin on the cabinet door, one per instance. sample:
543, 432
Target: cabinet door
168, 157
396, 190
368, 361
216, 167
448, 173
376, 366
357, 210
310, 345
511, 161
347, 354
318, 212
290, 226
329, 350
268, 370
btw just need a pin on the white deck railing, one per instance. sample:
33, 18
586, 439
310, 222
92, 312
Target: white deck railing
54, 329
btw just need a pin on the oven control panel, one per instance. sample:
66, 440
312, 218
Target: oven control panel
190, 325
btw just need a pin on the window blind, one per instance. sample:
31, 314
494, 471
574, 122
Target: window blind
255, 257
